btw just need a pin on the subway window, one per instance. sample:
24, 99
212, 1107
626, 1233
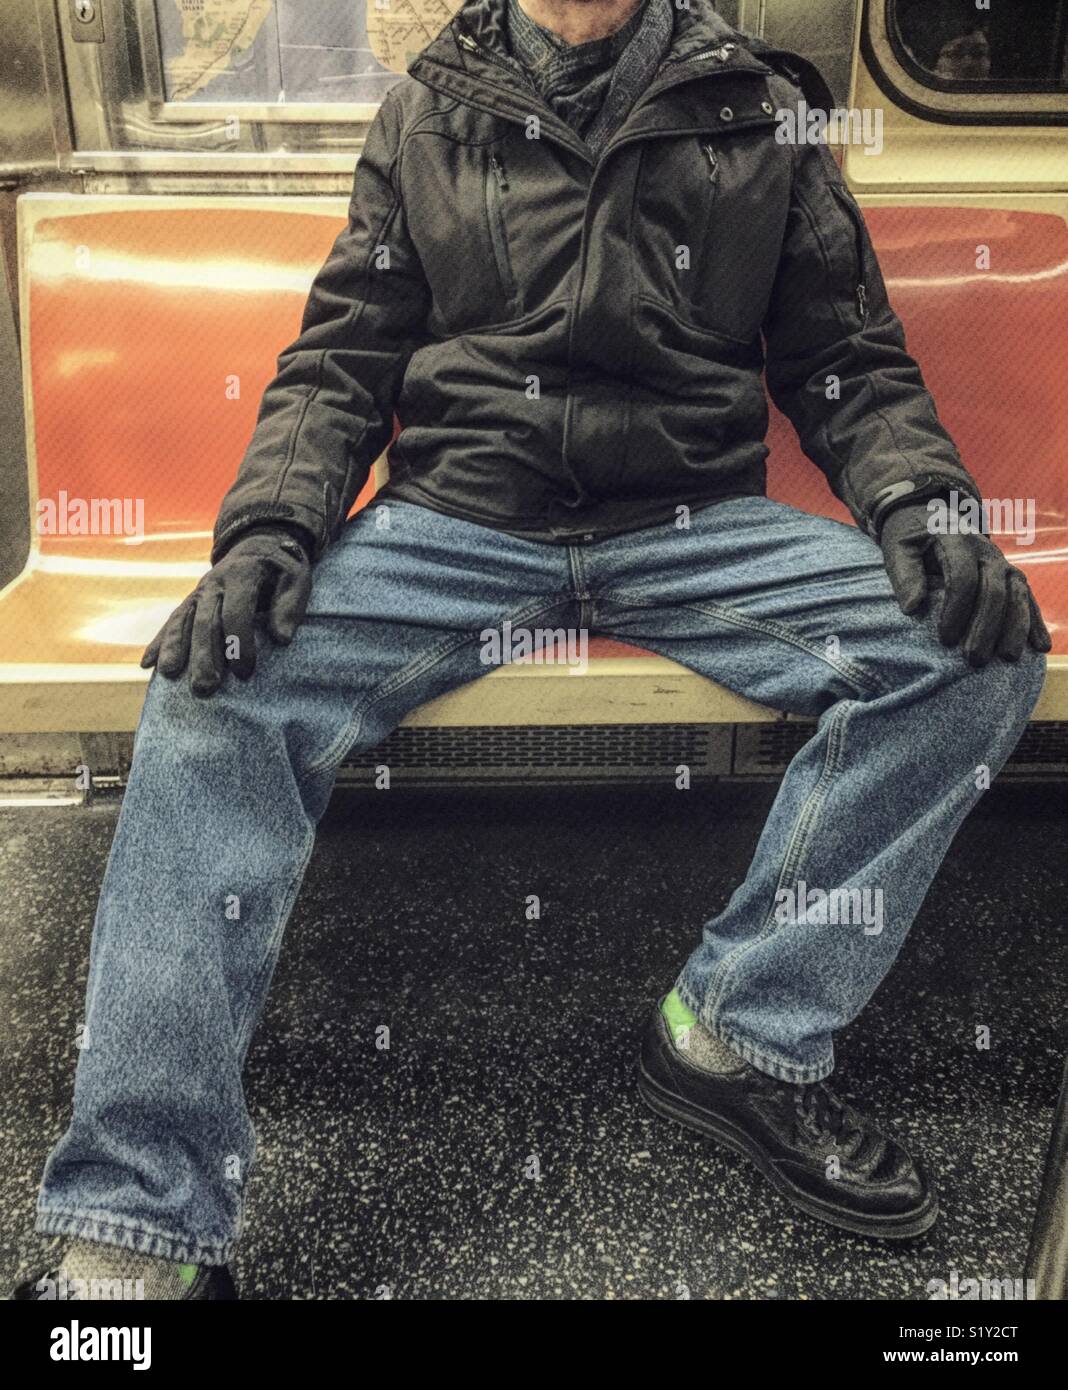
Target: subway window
983, 45
282, 52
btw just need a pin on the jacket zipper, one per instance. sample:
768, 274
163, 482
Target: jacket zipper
721, 51
860, 287
495, 188
713, 181
578, 147
713, 169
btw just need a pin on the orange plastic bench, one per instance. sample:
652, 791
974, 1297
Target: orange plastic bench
150, 328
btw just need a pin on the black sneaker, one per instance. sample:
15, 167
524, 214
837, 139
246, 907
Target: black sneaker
213, 1282
790, 1132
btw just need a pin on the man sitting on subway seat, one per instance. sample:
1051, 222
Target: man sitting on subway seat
574, 244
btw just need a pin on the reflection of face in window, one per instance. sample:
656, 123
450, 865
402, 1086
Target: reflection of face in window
946, 38
966, 58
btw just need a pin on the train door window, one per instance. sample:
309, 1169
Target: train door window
1006, 46
966, 62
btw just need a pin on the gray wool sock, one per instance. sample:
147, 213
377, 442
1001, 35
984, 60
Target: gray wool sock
110, 1272
698, 1044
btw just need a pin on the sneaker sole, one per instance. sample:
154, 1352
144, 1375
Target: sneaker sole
906, 1226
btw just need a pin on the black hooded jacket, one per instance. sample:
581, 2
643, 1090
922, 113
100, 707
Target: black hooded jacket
574, 347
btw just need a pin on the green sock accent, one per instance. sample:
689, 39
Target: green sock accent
187, 1273
679, 1017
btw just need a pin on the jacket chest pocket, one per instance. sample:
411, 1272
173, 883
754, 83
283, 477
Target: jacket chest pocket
709, 152
855, 259
713, 210
708, 173
458, 201
495, 190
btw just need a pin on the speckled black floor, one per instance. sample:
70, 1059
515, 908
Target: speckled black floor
512, 1050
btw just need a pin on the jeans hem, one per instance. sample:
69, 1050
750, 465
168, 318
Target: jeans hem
765, 1059
112, 1230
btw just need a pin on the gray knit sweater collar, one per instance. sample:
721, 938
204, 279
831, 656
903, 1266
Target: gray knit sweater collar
593, 85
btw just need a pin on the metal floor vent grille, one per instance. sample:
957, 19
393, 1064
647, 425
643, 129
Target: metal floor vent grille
1044, 746
546, 752
768, 748
511, 755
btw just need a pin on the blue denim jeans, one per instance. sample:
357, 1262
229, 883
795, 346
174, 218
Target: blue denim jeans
219, 816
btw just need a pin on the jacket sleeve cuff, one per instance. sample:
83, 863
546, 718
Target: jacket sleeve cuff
912, 490
306, 525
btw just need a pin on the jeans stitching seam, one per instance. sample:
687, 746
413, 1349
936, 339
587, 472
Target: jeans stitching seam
794, 852
799, 840
273, 944
422, 664
122, 1223
860, 680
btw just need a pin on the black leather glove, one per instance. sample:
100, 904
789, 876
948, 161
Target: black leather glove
265, 571
987, 604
